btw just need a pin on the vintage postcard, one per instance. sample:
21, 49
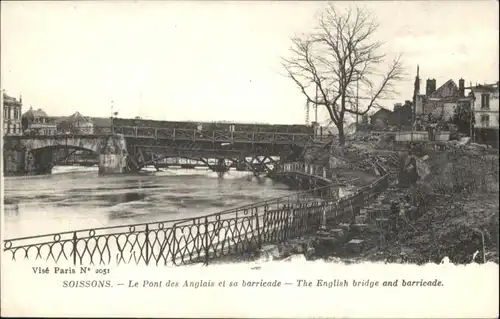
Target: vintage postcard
253, 159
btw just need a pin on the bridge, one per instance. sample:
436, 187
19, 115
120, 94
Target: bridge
131, 145
205, 238
36, 154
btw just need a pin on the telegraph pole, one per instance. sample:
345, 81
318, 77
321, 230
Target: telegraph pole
357, 102
472, 115
307, 112
316, 106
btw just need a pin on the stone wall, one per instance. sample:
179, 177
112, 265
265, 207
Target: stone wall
113, 155
13, 161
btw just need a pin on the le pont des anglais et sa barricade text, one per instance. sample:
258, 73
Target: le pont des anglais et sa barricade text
259, 283
335, 283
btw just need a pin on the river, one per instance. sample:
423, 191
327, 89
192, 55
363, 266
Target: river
74, 198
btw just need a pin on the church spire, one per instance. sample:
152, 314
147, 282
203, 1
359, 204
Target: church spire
416, 92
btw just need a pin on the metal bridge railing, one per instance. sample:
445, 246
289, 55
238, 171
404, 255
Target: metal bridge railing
212, 135
198, 239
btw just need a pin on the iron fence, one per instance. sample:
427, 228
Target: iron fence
198, 239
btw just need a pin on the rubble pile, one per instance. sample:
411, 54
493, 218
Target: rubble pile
447, 229
298, 246
461, 173
452, 211
465, 145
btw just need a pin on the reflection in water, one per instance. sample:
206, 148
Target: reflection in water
11, 210
72, 200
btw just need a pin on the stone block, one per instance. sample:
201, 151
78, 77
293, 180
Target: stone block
310, 252
355, 245
359, 226
338, 232
113, 156
270, 252
345, 226
322, 233
112, 164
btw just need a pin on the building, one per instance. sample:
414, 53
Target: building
102, 125
37, 122
485, 105
401, 115
441, 103
12, 110
76, 124
485, 112
380, 119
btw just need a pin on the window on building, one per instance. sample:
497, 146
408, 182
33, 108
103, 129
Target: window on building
485, 101
485, 120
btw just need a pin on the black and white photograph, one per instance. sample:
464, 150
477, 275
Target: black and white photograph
166, 136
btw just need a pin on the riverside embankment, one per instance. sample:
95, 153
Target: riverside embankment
454, 214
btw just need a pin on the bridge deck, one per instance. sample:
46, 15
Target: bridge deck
213, 136
189, 135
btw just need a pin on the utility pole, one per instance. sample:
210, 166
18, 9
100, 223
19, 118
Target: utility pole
307, 112
316, 106
357, 103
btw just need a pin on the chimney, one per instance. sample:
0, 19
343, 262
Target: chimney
430, 86
461, 87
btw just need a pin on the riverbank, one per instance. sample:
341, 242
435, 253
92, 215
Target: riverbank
454, 215
449, 228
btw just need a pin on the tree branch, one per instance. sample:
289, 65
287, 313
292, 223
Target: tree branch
340, 57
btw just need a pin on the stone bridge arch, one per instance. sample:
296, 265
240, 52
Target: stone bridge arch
34, 153
95, 144
43, 159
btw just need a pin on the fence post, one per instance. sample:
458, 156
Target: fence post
74, 248
174, 253
146, 243
259, 241
206, 241
287, 220
323, 218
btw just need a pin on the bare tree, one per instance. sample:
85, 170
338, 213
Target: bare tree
340, 61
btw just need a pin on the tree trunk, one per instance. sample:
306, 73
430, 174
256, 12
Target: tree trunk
341, 135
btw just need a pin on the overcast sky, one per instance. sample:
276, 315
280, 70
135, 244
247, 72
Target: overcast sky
215, 60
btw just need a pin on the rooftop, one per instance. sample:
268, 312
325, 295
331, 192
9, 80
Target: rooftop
485, 87
35, 113
76, 117
10, 100
448, 90
382, 109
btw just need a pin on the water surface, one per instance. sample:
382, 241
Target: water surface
77, 198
